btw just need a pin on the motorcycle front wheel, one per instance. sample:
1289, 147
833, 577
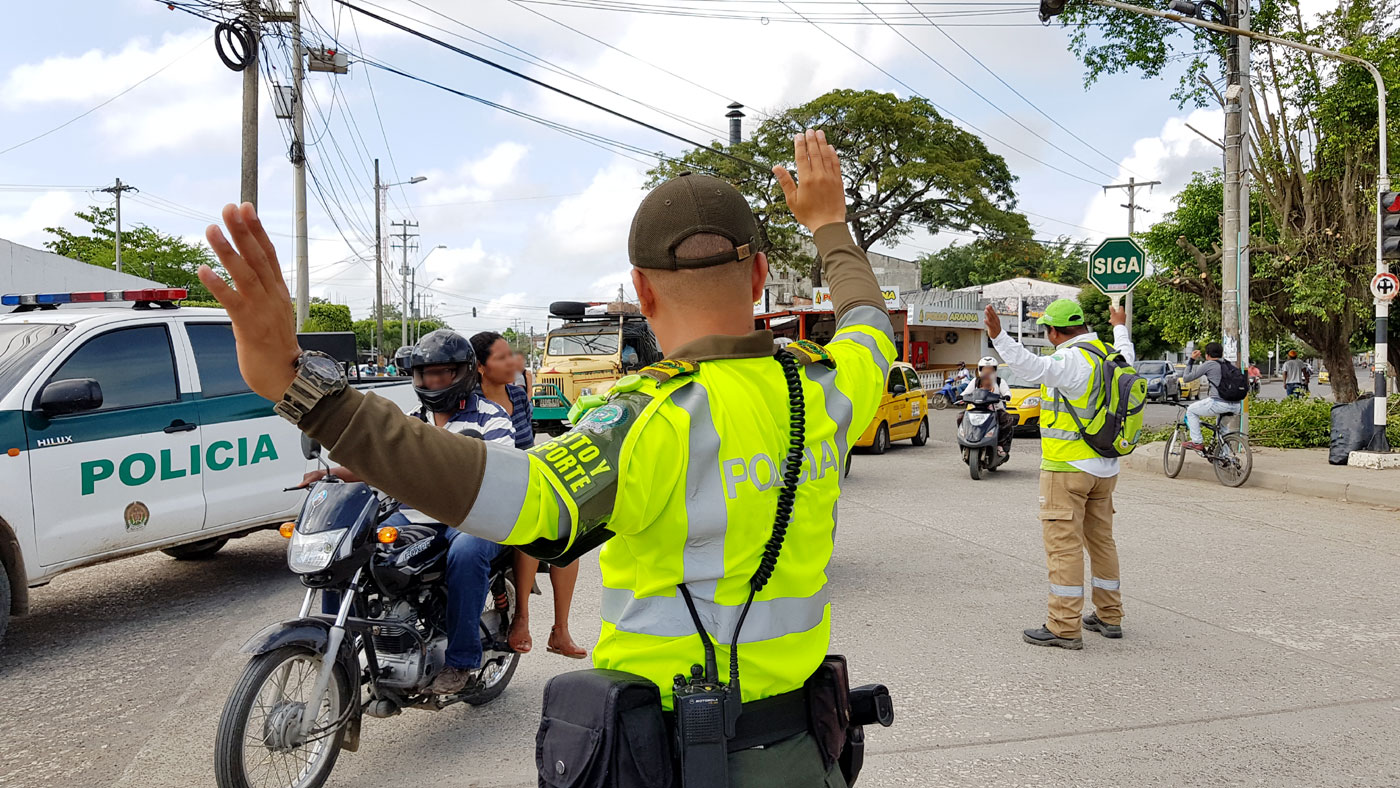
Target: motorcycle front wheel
974, 463
256, 744
938, 402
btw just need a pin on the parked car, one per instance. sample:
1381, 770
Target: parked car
903, 412
1163, 382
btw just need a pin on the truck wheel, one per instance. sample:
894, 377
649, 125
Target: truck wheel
196, 551
4, 600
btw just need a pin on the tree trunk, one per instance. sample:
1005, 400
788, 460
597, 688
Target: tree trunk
1337, 356
817, 271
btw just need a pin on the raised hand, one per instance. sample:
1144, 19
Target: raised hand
264, 325
818, 198
993, 322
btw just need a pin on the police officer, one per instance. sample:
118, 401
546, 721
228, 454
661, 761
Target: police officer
1076, 483
684, 466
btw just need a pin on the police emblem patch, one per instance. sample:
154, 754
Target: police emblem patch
603, 418
136, 516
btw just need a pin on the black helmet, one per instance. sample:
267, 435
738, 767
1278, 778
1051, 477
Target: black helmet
444, 347
403, 359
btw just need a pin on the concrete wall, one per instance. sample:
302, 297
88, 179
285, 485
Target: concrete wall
27, 270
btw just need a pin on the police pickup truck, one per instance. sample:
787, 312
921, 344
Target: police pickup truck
125, 429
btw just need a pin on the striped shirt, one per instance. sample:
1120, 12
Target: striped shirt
480, 418
520, 416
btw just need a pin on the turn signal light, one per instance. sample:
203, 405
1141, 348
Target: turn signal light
388, 534
286, 530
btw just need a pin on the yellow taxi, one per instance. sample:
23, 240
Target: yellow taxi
903, 412
1024, 404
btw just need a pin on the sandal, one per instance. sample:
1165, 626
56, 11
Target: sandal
572, 650
519, 639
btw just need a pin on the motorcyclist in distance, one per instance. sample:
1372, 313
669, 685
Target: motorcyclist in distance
988, 380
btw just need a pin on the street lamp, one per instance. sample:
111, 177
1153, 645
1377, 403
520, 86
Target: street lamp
379, 189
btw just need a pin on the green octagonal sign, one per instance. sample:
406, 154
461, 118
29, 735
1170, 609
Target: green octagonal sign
1117, 265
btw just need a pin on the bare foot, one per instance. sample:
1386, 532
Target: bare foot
520, 640
561, 643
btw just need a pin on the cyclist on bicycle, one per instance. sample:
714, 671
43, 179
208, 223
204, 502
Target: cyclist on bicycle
1213, 405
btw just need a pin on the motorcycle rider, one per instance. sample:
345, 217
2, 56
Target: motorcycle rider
988, 380
445, 378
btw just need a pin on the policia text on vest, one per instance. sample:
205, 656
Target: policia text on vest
662, 505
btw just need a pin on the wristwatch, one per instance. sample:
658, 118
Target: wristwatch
318, 376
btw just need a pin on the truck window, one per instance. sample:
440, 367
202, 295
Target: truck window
134, 366
21, 344
216, 358
564, 345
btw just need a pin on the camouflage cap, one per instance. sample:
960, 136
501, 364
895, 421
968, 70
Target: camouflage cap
684, 206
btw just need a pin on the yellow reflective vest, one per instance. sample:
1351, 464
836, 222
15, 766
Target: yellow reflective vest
684, 473
1060, 440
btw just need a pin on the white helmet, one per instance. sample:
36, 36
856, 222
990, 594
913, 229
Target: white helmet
986, 361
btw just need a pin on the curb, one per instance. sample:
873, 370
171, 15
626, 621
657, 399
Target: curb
1148, 459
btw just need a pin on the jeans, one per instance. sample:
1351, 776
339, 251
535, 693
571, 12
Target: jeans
1295, 389
1207, 407
468, 574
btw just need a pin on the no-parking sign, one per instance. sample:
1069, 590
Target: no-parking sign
1385, 286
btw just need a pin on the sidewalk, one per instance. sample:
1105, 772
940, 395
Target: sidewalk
1297, 471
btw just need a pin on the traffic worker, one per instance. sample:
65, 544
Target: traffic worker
1076, 482
683, 467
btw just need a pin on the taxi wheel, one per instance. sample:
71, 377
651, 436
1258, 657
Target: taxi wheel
882, 440
847, 473
196, 551
921, 437
4, 600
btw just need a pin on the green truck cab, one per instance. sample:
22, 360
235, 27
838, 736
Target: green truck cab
594, 347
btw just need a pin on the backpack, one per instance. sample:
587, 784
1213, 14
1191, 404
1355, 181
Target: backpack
1234, 386
1122, 405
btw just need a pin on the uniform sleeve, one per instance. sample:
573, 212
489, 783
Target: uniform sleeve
863, 345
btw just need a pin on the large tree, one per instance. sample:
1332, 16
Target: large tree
906, 167
1314, 127
146, 251
985, 260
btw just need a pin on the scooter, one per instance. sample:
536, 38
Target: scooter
948, 395
979, 433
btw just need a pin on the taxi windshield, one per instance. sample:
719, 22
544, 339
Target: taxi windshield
21, 344
566, 345
1016, 383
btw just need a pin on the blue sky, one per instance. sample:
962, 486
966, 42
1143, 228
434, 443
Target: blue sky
528, 215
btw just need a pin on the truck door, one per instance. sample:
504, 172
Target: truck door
250, 452
119, 475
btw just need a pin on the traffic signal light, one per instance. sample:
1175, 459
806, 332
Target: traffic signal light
1049, 8
1390, 225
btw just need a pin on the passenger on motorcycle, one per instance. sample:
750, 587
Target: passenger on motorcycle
988, 380
445, 377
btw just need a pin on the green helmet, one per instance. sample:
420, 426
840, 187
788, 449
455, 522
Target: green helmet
1062, 313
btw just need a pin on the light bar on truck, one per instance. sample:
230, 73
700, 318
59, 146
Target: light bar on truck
94, 296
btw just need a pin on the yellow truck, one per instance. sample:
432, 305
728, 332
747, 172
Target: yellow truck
596, 345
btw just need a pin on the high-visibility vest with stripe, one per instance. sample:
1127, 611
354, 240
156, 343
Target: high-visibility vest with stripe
686, 474
1060, 440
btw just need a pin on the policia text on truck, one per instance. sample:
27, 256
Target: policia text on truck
688, 571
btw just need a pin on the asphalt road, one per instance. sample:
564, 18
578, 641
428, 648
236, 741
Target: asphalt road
1262, 649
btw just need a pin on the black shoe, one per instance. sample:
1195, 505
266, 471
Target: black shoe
1044, 637
1092, 623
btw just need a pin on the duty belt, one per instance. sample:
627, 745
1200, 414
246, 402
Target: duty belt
766, 722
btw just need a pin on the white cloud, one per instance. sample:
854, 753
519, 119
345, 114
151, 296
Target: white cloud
595, 223
49, 209
498, 167
96, 75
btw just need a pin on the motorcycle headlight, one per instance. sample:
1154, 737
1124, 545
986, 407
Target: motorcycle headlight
978, 418
310, 553
1030, 402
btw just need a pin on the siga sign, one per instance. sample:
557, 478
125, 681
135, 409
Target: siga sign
1385, 286
1117, 265
821, 296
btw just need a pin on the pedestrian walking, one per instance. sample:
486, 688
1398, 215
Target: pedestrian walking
1295, 376
1076, 482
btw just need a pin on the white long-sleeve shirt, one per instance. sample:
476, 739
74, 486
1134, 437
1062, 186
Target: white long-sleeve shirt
1069, 373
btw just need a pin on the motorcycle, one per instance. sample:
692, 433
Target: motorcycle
979, 433
948, 395
1254, 385
311, 680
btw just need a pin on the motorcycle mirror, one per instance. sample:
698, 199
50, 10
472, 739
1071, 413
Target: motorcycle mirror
310, 447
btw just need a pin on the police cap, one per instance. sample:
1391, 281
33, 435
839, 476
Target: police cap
684, 206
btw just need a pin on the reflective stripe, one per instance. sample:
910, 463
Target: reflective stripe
840, 410
1059, 435
1107, 585
1066, 590
502, 496
707, 515
878, 319
666, 616
869, 343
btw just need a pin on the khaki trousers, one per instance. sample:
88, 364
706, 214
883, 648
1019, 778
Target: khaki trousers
1076, 512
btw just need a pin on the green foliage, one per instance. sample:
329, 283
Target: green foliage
1293, 423
393, 332
988, 260
1148, 339
328, 317
146, 252
905, 167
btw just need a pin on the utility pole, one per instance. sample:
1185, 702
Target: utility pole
378, 267
1131, 188
248, 187
1243, 201
117, 192
299, 169
404, 271
1230, 230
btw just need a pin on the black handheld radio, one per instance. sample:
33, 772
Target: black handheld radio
706, 709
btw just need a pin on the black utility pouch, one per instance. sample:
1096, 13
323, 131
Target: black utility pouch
829, 707
603, 729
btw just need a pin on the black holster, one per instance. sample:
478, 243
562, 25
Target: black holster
603, 729
838, 715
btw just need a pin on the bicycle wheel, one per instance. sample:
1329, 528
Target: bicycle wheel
1233, 459
1173, 455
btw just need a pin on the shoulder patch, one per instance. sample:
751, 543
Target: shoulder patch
809, 352
666, 369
